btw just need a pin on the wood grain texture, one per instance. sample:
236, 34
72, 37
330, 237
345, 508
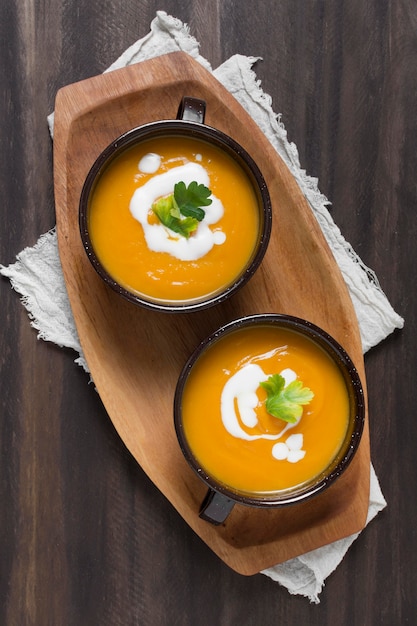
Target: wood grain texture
76, 545
130, 350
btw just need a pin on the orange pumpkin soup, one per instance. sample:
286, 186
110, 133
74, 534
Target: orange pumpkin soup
226, 424
144, 256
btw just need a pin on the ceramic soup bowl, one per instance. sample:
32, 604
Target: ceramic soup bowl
269, 411
175, 215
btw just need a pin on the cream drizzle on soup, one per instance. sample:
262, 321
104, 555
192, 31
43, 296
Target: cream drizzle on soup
118, 237
239, 401
277, 460
158, 237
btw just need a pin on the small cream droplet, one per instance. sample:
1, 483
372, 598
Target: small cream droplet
295, 455
295, 442
149, 163
280, 451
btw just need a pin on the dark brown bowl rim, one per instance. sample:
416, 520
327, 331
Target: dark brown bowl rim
347, 450
195, 130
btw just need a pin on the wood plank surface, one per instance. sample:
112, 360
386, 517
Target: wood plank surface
86, 537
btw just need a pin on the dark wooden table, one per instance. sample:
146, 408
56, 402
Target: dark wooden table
85, 537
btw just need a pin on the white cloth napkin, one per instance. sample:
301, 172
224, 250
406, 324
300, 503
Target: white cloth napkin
37, 274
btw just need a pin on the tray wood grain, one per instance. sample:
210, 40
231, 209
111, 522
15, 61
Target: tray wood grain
135, 355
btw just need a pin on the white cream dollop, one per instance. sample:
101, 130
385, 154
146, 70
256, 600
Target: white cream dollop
241, 387
149, 163
161, 239
291, 450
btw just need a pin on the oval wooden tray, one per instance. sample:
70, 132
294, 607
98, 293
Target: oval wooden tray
135, 355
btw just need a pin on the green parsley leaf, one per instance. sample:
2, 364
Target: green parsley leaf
286, 402
181, 211
190, 199
169, 216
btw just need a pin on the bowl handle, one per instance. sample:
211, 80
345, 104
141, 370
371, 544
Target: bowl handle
215, 507
192, 110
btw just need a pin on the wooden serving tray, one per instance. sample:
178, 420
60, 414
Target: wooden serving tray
136, 355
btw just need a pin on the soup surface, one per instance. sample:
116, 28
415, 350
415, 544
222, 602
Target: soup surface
146, 257
226, 423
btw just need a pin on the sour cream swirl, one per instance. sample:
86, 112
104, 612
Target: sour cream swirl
240, 392
157, 236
